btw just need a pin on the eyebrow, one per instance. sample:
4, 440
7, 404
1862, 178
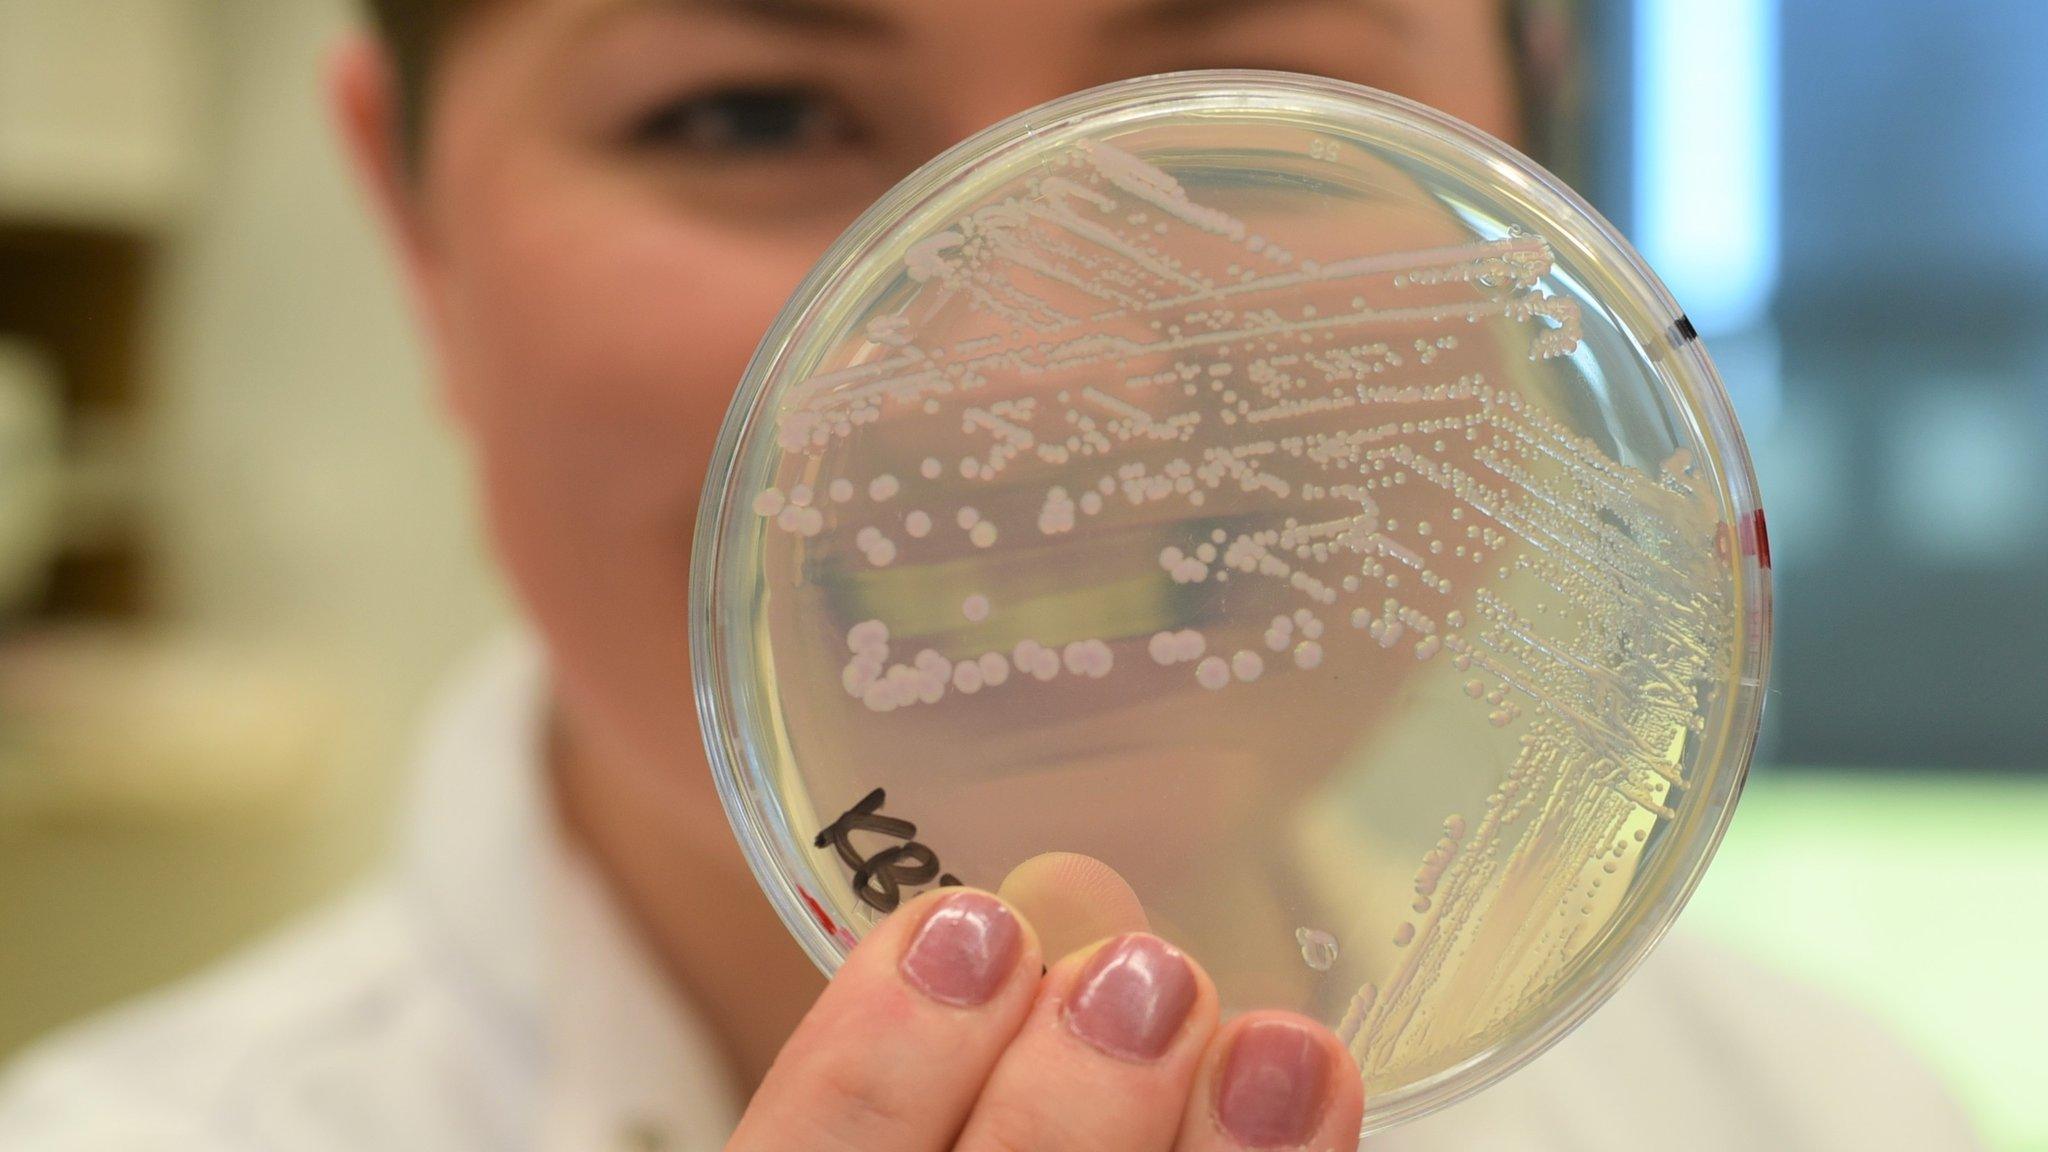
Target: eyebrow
836, 16
1195, 15
819, 16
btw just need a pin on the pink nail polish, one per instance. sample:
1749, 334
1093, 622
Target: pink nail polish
964, 950
1274, 1085
1132, 997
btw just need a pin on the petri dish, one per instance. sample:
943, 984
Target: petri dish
1282, 492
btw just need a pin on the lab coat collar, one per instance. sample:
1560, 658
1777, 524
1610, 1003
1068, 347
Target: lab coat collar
622, 1061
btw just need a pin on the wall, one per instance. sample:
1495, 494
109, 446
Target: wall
313, 569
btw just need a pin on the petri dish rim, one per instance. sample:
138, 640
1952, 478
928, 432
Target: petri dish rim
1647, 314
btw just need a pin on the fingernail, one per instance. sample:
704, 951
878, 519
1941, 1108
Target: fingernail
1132, 997
964, 950
1274, 1086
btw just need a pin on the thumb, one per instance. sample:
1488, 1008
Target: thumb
1071, 901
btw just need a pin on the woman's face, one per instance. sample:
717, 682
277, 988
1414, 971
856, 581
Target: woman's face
617, 196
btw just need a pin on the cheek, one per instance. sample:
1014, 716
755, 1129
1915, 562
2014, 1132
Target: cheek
593, 339
598, 338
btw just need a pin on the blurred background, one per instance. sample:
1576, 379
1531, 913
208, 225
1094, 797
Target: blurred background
236, 554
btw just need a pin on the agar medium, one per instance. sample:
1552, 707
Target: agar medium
1282, 493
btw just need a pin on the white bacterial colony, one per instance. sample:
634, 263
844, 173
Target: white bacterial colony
1348, 442
1177, 647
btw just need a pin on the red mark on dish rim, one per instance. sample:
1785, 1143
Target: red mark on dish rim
1756, 541
818, 911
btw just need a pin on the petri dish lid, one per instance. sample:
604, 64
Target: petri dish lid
1284, 493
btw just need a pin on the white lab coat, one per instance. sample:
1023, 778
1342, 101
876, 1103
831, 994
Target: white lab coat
486, 995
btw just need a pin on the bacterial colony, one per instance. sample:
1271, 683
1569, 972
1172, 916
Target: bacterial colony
1347, 462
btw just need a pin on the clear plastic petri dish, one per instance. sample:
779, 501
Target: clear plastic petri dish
1281, 492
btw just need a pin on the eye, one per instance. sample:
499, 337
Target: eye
747, 121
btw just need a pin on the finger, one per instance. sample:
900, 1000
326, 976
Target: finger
1106, 1059
1274, 1080
1072, 901
894, 1054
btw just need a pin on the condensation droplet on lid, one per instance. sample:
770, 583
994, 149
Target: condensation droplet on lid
1318, 948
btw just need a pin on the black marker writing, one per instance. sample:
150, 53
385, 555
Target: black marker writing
879, 879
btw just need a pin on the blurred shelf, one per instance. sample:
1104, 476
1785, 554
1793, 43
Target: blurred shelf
99, 111
110, 727
73, 300
162, 801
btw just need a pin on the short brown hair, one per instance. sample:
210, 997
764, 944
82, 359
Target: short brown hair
415, 31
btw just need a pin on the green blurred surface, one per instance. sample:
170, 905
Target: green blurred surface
91, 915
1922, 898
